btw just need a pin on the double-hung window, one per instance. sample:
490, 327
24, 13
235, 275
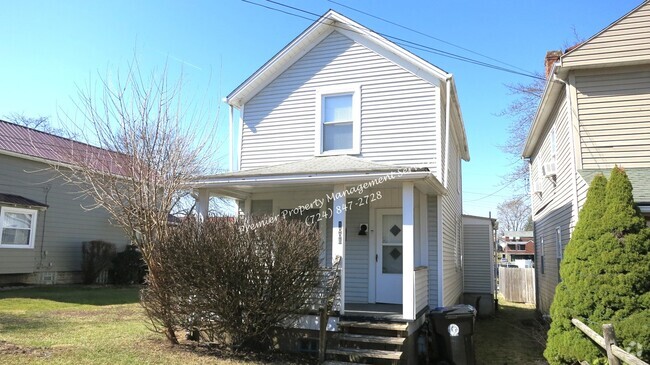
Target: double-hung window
17, 227
338, 119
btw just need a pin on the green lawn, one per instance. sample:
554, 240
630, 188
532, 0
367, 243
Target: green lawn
82, 325
512, 336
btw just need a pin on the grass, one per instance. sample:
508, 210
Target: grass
83, 325
512, 336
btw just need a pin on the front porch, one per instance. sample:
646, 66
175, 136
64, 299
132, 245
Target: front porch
377, 219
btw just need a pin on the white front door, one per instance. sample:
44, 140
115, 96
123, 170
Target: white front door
388, 261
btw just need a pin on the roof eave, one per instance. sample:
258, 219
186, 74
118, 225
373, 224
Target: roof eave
282, 60
549, 96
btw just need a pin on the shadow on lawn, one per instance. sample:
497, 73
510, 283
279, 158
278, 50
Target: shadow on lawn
78, 294
514, 335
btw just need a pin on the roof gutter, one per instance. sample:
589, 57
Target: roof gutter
445, 171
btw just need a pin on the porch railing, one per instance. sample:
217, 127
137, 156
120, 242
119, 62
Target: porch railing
329, 301
421, 285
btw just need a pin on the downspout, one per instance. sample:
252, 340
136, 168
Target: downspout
447, 114
230, 130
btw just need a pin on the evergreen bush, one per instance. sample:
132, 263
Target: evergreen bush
128, 267
605, 275
96, 257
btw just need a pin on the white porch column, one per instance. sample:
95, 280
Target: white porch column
247, 207
408, 252
203, 204
338, 235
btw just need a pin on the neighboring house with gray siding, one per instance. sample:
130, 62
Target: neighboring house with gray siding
594, 114
42, 221
340, 107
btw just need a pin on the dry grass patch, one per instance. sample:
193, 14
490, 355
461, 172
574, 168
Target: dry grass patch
80, 325
513, 336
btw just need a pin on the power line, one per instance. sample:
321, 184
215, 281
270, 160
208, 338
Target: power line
397, 40
426, 35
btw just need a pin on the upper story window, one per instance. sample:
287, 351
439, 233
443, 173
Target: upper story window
17, 227
338, 120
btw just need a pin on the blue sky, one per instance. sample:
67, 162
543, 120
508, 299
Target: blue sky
50, 48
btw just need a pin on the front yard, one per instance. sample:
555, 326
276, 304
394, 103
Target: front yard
81, 325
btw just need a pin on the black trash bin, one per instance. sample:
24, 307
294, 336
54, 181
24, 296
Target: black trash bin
452, 335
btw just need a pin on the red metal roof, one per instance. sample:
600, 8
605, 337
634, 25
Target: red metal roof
30, 142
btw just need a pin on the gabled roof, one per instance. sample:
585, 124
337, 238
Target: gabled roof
309, 38
17, 140
332, 21
20, 201
555, 85
635, 52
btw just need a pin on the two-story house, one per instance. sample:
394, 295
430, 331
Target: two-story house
594, 114
43, 222
519, 248
368, 138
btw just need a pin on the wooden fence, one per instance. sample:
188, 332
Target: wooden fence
614, 353
517, 284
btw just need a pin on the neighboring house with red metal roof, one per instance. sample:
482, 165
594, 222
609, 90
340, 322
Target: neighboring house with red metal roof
42, 220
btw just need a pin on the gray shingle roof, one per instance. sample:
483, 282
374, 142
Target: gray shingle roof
17, 200
639, 177
318, 165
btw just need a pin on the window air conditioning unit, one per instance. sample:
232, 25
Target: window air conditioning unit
537, 186
549, 169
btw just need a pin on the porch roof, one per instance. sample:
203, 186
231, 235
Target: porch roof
639, 177
321, 170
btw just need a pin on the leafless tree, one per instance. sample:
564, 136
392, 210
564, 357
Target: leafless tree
40, 123
522, 113
147, 155
514, 215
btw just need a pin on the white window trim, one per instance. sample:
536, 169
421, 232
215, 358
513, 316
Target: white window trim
33, 212
355, 90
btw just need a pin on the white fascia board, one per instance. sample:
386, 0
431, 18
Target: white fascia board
460, 123
292, 52
397, 55
551, 94
292, 179
315, 33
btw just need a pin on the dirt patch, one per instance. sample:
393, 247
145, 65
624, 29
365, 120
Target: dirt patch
7, 348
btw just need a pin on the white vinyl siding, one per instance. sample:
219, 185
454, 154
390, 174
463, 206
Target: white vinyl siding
614, 112
356, 255
451, 234
432, 221
479, 272
554, 206
398, 109
625, 41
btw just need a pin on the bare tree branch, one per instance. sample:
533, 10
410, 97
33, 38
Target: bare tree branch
148, 153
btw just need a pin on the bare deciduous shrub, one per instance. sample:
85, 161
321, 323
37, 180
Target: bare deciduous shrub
96, 257
233, 284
